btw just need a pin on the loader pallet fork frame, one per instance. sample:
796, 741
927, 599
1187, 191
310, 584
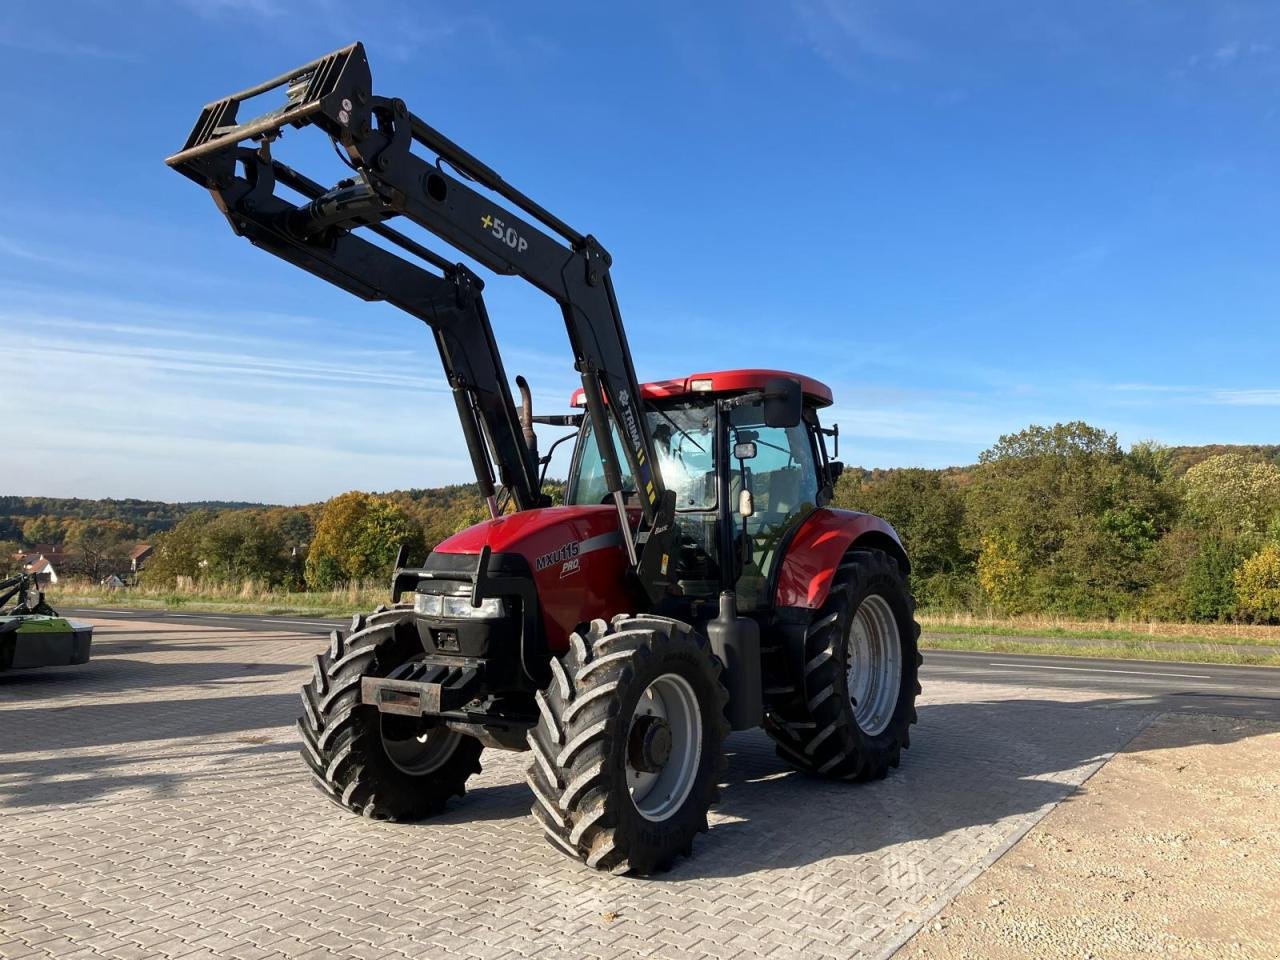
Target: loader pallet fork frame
334, 93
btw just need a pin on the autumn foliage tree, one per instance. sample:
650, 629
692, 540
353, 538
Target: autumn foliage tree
357, 537
1257, 583
1234, 494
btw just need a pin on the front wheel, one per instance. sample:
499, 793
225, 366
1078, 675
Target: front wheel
628, 750
381, 765
846, 700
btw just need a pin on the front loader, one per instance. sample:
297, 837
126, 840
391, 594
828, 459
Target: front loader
694, 581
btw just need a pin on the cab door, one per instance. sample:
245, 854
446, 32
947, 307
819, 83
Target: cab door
782, 476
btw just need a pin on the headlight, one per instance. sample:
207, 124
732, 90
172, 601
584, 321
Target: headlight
436, 605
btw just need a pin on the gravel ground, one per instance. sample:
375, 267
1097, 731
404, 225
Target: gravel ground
1172, 850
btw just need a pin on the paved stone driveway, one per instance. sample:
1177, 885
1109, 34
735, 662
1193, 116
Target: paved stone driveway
152, 805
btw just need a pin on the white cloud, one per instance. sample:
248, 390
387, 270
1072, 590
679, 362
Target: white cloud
60, 45
1225, 396
1267, 397
125, 398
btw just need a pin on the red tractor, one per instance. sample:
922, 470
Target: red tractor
693, 582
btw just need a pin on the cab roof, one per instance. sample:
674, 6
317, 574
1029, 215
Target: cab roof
815, 392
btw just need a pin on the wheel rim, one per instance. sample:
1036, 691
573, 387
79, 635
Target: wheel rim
416, 753
658, 793
874, 668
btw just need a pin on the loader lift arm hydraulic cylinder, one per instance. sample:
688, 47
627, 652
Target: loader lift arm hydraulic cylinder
334, 93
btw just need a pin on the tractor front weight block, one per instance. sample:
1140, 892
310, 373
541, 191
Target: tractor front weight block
440, 689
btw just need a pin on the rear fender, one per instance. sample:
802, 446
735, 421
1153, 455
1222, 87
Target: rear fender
818, 545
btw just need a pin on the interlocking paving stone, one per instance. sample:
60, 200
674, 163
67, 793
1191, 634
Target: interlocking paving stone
152, 805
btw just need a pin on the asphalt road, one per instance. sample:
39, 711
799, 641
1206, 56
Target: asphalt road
1160, 686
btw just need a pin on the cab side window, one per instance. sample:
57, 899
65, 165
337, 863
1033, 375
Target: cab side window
783, 480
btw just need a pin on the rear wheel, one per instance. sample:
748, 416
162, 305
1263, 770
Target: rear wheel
380, 765
628, 749
840, 703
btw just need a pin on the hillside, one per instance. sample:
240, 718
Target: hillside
49, 520
52, 515
438, 509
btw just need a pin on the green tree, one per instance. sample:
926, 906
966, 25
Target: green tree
1152, 460
293, 524
927, 511
1230, 511
179, 552
1208, 589
240, 545
1067, 518
296, 527
43, 529
229, 547
357, 537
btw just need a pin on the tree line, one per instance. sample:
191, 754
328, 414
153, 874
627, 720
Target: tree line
52, 520
1062, 520
350, 538
1053, 520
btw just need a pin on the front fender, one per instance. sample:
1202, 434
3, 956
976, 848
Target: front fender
817, 547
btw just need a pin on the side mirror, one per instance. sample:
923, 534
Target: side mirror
746, 504
744, 450
783, 403
834, 469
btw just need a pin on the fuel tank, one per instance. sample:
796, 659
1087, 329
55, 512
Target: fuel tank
577, 557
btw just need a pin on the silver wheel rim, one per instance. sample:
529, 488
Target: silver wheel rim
658, 794
874, 668
421, 754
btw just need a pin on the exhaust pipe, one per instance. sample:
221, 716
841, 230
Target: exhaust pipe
526, 420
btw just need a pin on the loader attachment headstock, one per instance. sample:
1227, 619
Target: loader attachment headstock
232, 159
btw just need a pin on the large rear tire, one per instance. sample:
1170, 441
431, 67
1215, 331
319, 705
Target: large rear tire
382, 766
628, 750
840, 703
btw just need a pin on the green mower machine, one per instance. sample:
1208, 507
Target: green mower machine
31, 632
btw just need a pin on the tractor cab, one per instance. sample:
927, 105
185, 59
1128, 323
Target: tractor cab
743, 480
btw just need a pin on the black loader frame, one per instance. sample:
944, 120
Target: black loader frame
320, 235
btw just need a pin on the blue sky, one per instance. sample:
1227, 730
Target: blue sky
964, 217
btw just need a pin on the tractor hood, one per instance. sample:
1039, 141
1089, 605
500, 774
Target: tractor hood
527, 531
574, 554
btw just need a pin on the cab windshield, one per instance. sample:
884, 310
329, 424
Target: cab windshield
684, 437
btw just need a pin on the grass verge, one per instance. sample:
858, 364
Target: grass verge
246, 599
1193, 643
1115, 650
1129, 631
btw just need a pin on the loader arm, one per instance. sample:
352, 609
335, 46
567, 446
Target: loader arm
334, 93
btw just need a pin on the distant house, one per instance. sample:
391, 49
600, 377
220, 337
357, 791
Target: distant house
55, 553
140, 555
40, 567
